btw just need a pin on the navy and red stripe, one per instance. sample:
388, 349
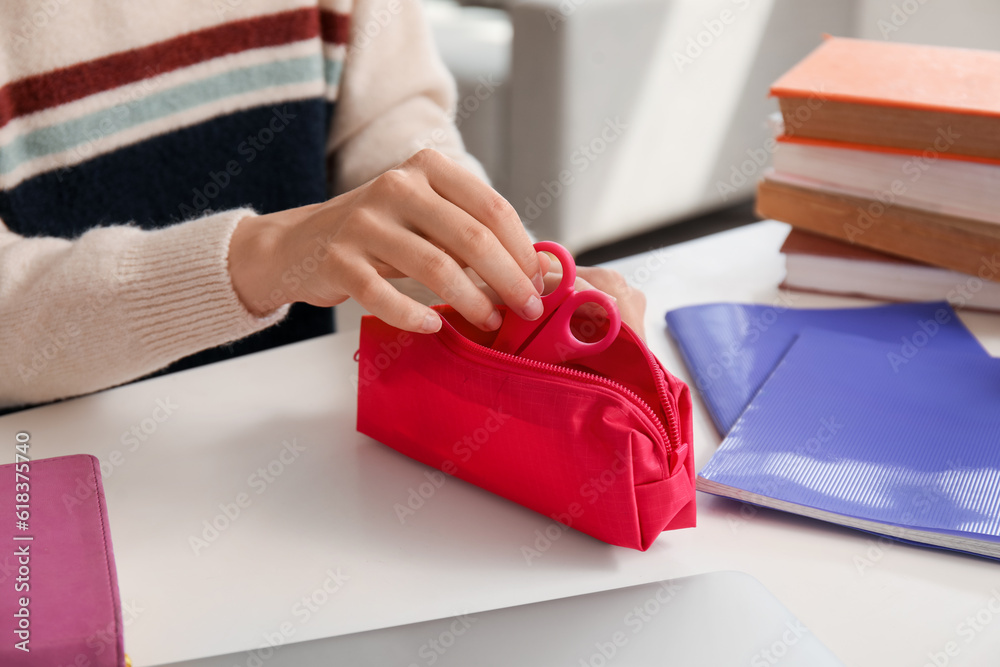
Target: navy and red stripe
50, 89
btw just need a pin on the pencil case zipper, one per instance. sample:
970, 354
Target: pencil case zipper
668, 433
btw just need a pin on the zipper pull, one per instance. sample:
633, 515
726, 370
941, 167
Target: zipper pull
676, 458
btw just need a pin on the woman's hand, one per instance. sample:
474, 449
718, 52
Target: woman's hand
631, 302
428, 218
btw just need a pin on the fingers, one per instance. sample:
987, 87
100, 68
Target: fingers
427, 219
545, 262
419, 259
383, 301
608, 281
483, 204
474, 244
631, 302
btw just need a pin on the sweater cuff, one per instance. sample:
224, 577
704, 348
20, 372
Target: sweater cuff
180, 297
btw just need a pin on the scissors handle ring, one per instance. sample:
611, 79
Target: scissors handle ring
514, 330
567, 283
555, 342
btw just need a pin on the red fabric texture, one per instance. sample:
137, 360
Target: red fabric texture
559, 441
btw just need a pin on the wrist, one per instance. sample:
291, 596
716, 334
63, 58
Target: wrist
252, 257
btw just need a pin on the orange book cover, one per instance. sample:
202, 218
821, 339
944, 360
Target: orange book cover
908, 76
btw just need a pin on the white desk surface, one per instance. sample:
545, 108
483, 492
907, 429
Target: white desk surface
332, 508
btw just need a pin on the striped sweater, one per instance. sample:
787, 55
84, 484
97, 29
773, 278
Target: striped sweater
135, 136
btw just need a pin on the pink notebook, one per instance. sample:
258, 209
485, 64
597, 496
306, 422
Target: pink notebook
59, 601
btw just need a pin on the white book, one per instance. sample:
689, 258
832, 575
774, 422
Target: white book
818, 264
930, 180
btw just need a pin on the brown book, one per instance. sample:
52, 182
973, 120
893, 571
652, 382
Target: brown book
801, 242
931, 98
960, 244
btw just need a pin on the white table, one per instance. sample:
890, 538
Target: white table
326, 520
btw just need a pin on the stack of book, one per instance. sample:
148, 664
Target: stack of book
894, 148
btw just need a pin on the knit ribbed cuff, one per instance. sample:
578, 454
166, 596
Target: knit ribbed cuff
179, 295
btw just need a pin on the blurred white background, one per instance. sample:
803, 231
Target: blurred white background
601, 119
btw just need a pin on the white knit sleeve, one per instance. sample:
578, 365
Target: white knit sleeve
113, 305
396, 95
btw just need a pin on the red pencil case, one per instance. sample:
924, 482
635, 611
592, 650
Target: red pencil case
602, 444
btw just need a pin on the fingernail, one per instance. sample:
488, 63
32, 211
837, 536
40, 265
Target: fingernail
533, 309
432, 323
539, 282
494, 321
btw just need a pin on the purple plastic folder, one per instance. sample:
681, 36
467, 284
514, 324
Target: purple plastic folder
729, 349
845, 432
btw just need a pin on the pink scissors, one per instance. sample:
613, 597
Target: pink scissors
549, 338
